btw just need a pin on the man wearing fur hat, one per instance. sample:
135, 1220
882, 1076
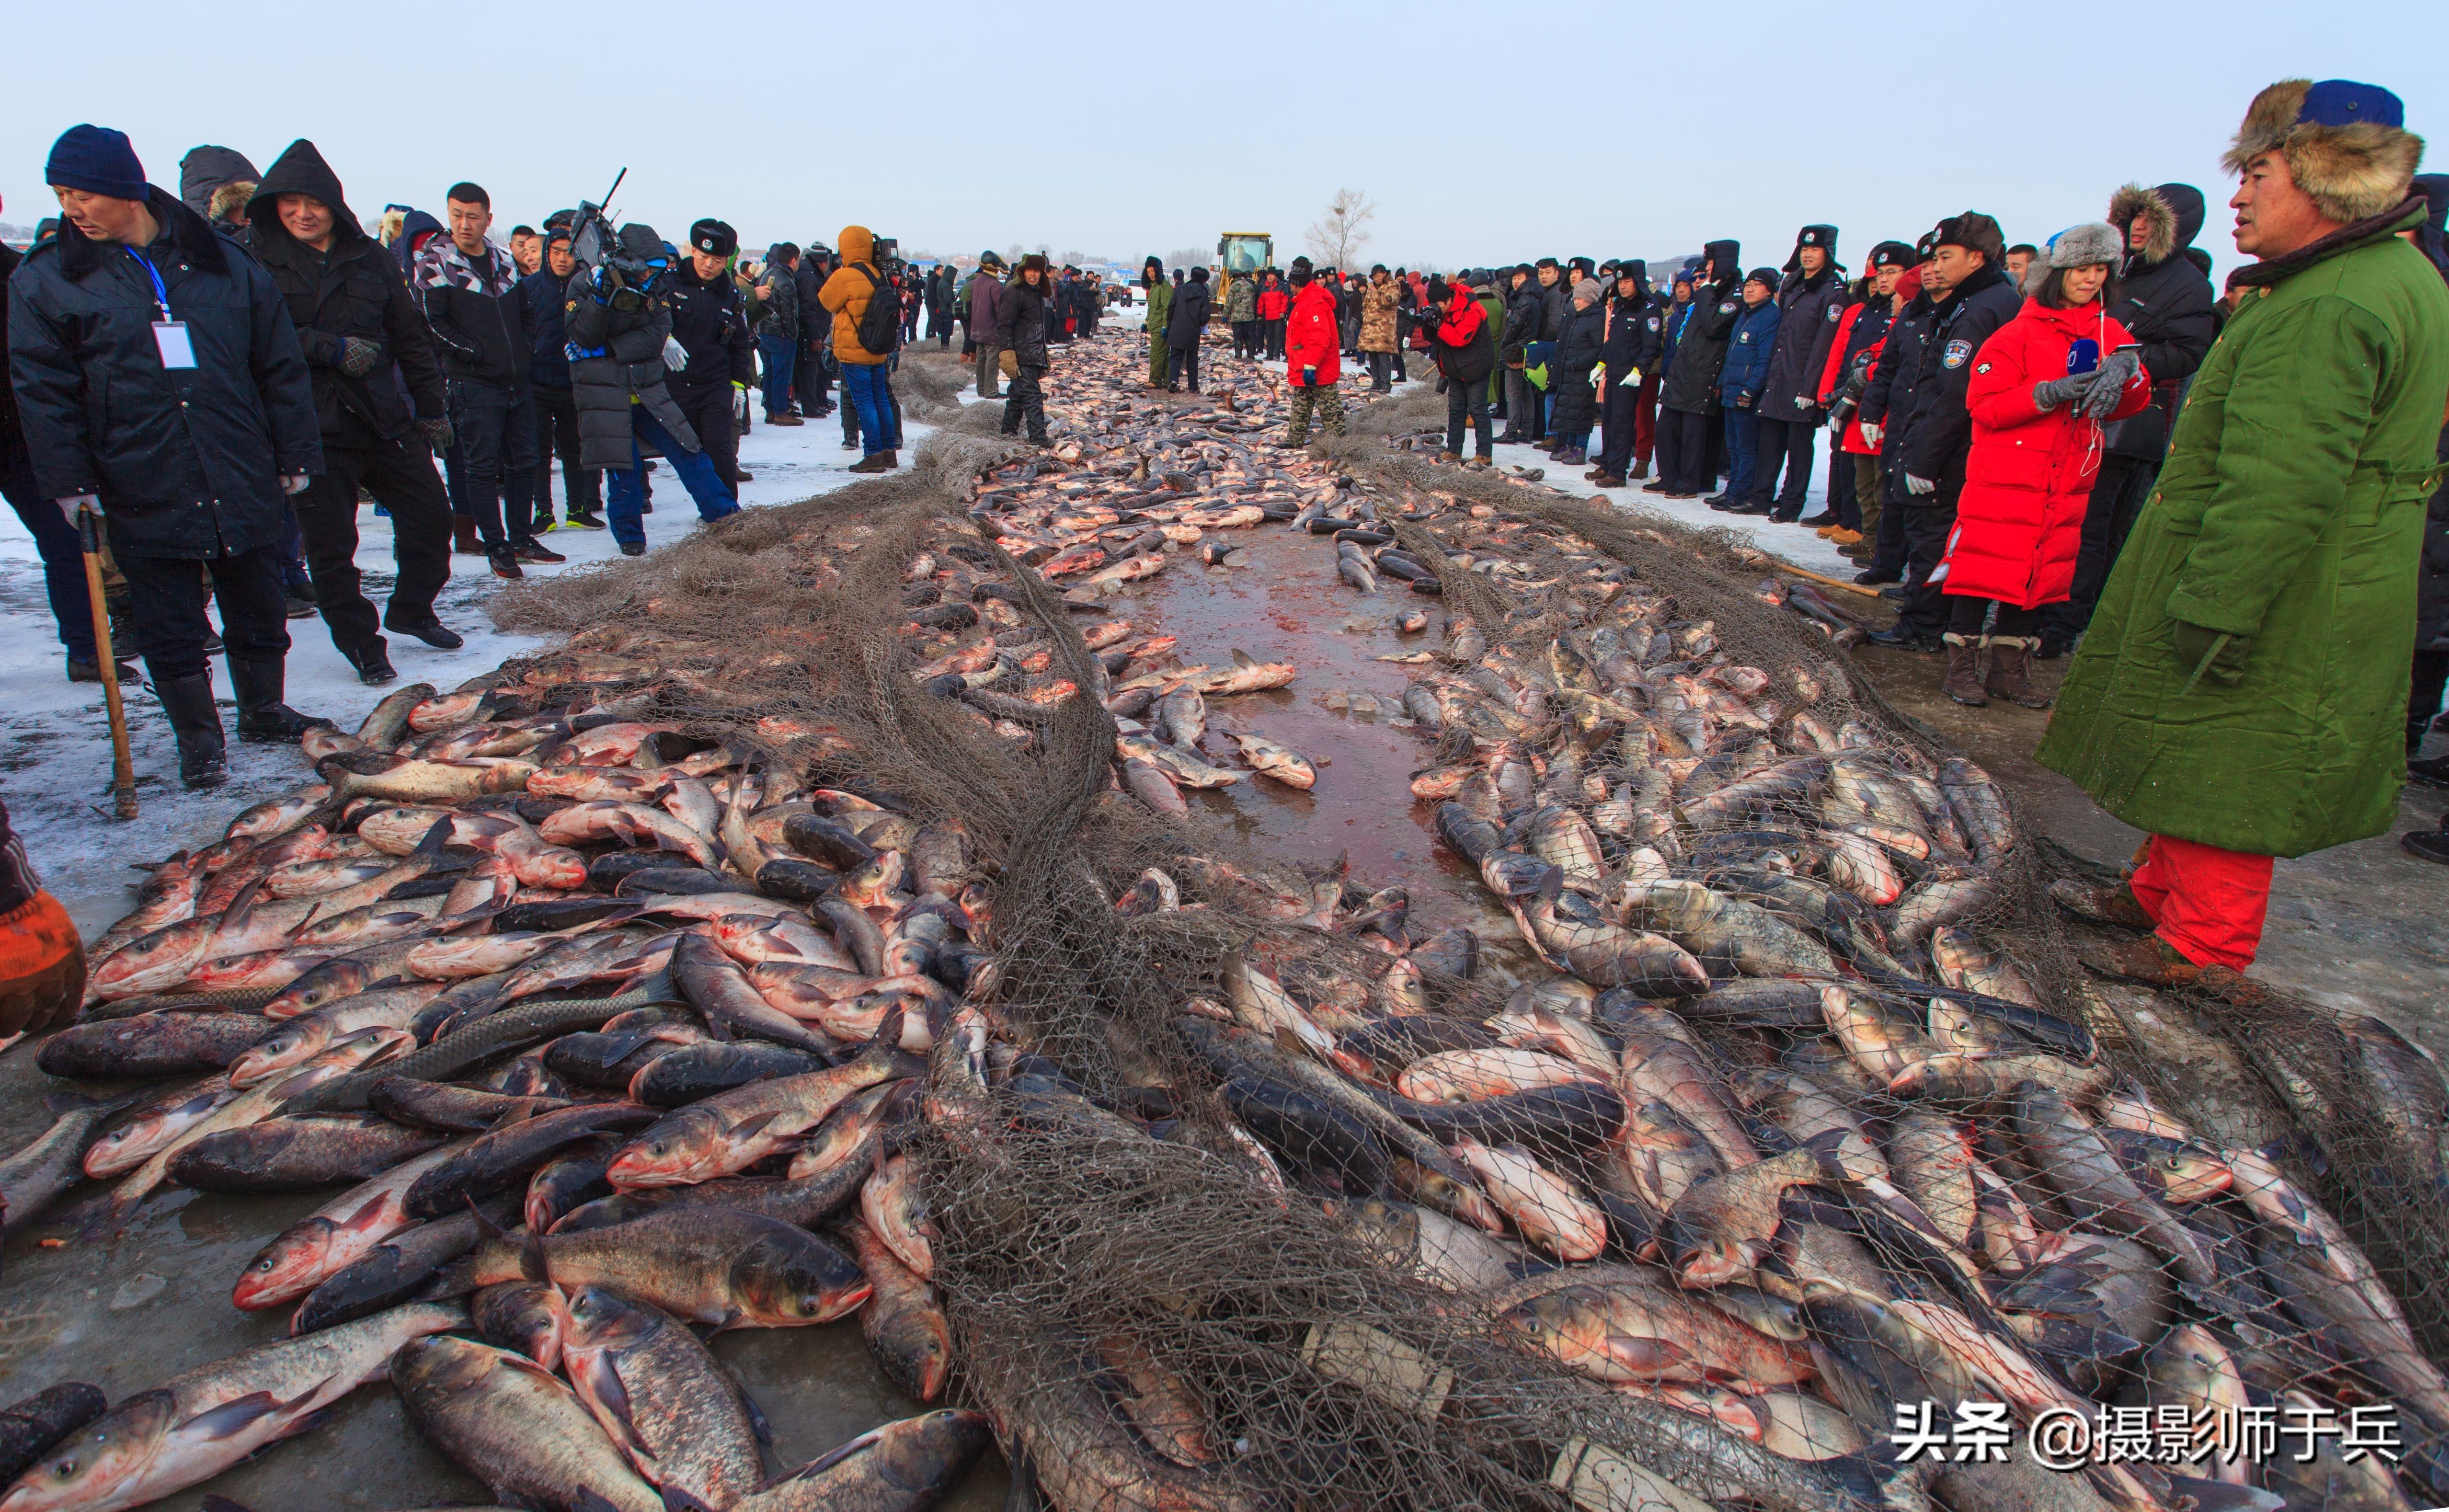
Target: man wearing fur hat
2241, 694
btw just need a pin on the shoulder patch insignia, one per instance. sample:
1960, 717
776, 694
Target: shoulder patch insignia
1836, 313
1726, 308
1959, 353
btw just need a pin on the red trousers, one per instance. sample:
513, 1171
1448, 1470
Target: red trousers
1645, 420
2206, 903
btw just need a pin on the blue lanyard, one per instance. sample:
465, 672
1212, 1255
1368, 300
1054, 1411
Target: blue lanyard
160, 295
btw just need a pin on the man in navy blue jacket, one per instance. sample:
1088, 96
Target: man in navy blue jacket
1749, 347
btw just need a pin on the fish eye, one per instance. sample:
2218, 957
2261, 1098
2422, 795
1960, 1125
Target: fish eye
265, 1265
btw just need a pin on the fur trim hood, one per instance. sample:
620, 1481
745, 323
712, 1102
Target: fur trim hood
2352, 172
2171, 217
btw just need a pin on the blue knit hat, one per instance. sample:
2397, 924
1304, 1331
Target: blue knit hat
98, 161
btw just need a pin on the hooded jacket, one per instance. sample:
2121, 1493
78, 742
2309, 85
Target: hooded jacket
2029, 475
187, 461
1188, 318
1465, 347
1020, 322
414, 226
1311, 337
846, 294
616, 359
1569, 366
206, 168
1525, 313
354, 289
2165, 300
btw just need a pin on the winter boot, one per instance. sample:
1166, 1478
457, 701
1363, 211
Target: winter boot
1572, 457
1964, 679
203, 760
2153, 961
879, 462
1607, 480
1450, 458
2011, 666
372, 662
463, 535
256, 678
504, 562
2432, 845
1640, 470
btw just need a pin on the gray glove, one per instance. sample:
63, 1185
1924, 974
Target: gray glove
2108, 385
1920, 485
2054, 392
437, 432
358, 355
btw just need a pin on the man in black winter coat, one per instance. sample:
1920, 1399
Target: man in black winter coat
1525, 315
1183, 328
1632, 342
356, 322
2163, 300
1886, 400
710, 322
811, 380
1686, 396
474, 301
1811, 298
1020, 329
1972, 296
160, 384
54, 537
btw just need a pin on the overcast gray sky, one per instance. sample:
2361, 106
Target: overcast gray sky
1121, 130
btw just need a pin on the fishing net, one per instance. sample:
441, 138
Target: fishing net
1162, 1314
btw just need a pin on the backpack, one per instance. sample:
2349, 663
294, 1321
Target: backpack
880, 327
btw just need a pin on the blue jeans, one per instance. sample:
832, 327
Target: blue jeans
780, 355
625, 486
1743, 450
864, 385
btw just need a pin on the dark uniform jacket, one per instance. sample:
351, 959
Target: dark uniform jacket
1020, 324
1939, 430
712, 324
187, 461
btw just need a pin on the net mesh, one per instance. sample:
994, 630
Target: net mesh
1175, 1291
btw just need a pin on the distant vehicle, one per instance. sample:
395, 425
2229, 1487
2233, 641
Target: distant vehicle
1120, 294
1241, 255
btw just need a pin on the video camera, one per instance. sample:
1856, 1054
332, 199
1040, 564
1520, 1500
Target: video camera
595, 245
887, 254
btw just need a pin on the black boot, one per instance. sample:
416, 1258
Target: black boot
372, 662
204, 761
262, 718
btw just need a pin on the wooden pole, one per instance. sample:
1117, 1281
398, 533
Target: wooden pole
122, 765
1850, 588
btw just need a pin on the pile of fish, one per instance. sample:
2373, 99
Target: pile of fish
604, 1031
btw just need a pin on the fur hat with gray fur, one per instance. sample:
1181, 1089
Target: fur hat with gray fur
2347, 143
2082, 246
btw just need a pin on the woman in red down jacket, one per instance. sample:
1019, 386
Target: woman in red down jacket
2042, 387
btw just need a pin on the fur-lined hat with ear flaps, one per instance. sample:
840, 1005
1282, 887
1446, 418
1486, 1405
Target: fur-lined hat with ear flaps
2133, 201
2347, 143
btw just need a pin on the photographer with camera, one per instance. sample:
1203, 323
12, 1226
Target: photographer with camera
619, 322
867, 328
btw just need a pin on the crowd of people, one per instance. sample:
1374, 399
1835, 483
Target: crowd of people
205, 387
2232, 500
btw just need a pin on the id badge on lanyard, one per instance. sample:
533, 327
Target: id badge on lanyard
169, 336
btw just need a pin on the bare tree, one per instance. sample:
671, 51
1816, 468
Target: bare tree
1336, 239
1186, 257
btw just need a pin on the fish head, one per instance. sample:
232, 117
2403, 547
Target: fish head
94, 1463
789, 1278
672, 1152
442, 1365
160, 951
288, 1267
278, 1050
599, 1320
1712, 1261
325, 983
915, 1345
931, 1453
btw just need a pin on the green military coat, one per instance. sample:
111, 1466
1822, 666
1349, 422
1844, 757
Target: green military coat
2290, 510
